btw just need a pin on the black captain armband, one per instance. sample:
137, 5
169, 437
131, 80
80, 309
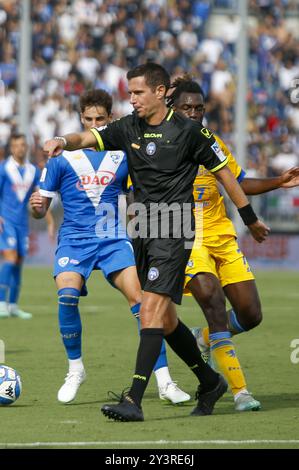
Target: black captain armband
247, 214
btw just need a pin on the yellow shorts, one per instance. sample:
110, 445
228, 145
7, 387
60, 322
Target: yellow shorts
221, 256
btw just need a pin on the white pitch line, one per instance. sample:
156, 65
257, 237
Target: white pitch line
160, 442
69, 422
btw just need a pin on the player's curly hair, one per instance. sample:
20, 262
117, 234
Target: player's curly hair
183, 84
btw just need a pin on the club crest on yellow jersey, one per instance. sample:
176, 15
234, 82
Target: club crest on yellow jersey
208, 134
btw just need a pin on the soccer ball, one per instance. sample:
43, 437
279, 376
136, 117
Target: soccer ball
10, 385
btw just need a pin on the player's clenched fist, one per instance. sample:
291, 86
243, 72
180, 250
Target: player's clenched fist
36, 204
36, 200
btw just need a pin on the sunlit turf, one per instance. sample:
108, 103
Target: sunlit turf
109, 345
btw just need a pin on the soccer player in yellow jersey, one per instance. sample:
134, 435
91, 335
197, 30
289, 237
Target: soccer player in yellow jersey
217, 268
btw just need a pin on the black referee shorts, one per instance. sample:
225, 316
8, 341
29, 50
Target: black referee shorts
161, 264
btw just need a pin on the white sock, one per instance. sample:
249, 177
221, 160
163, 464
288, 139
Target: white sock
162, 376
12, 308
76, 365
240, 393
3, 306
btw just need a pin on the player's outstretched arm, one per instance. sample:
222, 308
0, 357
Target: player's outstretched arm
289, 178
254, 186
55, 146
39, 205
258, 229
232, 187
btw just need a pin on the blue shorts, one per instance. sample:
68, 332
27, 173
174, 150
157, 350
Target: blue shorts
84, 256
14, 238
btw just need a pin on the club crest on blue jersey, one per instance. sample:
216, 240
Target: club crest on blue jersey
63, 261
151, 148
101, 178
12, 241
115, 157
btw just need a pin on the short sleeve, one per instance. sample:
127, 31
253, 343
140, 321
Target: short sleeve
207, 151
110, 137
50, 178
233, 165
37, 177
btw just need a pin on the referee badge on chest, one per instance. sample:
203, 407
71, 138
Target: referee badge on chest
151, 148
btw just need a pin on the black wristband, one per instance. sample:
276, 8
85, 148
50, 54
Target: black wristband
247, 214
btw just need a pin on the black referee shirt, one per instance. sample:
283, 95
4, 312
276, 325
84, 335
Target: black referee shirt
163, 160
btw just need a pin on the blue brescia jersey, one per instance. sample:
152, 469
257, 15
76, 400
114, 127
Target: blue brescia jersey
17, 183
89, 184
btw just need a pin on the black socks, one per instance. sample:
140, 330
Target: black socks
182, 341
148, 353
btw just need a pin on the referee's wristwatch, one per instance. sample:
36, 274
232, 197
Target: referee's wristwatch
62, 139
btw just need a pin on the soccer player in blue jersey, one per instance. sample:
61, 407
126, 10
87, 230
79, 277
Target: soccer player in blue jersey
90, 184
18, 179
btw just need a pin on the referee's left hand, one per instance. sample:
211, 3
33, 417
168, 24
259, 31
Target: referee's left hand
53, 147
259, 231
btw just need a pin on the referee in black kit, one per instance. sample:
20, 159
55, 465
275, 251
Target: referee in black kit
164, 151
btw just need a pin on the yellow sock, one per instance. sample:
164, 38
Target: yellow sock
224, 355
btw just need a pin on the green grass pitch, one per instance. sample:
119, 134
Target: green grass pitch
109, 346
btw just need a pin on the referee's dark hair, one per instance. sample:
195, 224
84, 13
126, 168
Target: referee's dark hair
183, 84
153, 73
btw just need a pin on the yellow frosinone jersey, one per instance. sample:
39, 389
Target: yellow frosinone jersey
210, 209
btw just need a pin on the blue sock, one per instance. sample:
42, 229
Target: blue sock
233, 323
222, 338
5, 280
162, 359
15, 284
69, 321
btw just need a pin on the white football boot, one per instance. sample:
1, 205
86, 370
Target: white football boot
4, 313
171, 392
20, 314
69, 389
244, 401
